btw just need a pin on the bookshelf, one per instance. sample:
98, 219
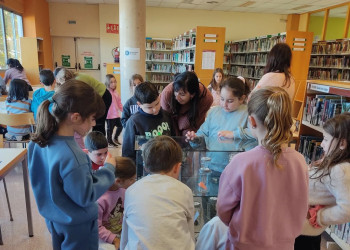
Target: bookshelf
159, 61
330, 60
201, 49
227, 58
341, 235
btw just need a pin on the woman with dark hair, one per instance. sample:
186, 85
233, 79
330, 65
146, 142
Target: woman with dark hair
188, 101
16, 71
277, 70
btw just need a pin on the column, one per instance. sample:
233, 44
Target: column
132, 28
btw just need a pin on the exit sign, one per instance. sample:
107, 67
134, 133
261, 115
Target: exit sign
112, 28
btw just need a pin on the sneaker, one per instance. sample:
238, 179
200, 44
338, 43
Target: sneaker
10, 137
117, 142
112, 144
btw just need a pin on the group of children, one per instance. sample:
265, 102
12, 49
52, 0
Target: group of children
258, 190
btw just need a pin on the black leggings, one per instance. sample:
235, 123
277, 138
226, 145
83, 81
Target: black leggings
111, 123
304, 242
100, 123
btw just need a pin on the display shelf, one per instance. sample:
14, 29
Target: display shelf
317, 128
159, 60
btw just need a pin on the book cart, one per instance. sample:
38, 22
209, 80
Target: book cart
159, 61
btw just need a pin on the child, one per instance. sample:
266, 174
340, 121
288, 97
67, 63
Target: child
158, 209
214, 85
130, 106
18, 102
63, 184
113, 115
266, 187
277, 70
230, 119
48, 80
329, 184
97, 148
16, 71
149, 121
111, 204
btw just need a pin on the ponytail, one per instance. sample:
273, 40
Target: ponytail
272, 107
14, 63
72, 97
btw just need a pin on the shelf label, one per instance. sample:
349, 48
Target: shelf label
210, 40
320, 88
299, 44
300, 39
65, 60
210, 35
298, 49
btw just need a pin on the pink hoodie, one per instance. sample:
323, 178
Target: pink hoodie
264, 206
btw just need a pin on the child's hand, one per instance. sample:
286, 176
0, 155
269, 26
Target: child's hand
226, 134
110, 159
116, 243
190, 135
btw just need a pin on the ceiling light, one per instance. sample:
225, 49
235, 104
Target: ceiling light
301, 7
247, 4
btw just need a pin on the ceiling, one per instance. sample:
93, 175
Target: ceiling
260, 6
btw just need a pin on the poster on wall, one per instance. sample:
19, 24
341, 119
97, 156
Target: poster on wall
208, 59
132, 53
88, 62
65, 60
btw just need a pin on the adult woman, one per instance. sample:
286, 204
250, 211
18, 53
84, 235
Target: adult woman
62, 75
16, 71
277, 70
188, 101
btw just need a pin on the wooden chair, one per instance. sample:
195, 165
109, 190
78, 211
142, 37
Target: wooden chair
5, 188
17, 120
3, 98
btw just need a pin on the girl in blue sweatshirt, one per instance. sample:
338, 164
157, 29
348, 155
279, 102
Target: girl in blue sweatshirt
230, 119
64, 186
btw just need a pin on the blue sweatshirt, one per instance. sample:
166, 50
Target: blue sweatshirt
38, 97
218, 119
145, 124
64, 186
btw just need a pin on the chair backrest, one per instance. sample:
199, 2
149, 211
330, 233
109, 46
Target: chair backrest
17, 119
1, 141
3, 98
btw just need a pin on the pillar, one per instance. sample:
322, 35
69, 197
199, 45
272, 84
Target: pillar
132, 28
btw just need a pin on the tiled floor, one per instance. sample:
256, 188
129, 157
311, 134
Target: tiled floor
15, 233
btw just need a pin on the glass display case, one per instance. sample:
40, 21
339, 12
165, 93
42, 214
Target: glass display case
203, 161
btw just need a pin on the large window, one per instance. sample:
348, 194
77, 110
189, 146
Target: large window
11, 29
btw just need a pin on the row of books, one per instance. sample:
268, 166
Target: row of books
160, 78
184, 42
320, 108
255, 59
179, 68
156, 45
330, 61
247, 71
310, 147
342, 231
339, 46
158, 67
329, 74
158, 56
183, 56
259, 44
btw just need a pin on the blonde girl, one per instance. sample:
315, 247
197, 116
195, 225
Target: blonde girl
265, 188
214, 85
329, 184
113, 115
63, 184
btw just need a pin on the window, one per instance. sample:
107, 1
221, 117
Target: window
11, 29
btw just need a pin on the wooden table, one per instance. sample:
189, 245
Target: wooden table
9, 157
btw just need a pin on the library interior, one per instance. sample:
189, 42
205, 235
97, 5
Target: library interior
162, 46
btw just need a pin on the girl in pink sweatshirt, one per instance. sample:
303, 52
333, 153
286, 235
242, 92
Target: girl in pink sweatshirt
111, 204
263, 193
113, 115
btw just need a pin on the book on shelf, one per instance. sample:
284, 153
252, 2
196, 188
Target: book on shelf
310, 147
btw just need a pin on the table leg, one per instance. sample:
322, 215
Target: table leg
27, 196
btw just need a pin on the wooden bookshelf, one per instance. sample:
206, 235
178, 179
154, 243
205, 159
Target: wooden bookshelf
159, 61
201, 49
340, 242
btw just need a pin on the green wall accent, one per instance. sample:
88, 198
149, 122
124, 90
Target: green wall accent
335, 27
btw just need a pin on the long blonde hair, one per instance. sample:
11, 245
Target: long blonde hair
272, 107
